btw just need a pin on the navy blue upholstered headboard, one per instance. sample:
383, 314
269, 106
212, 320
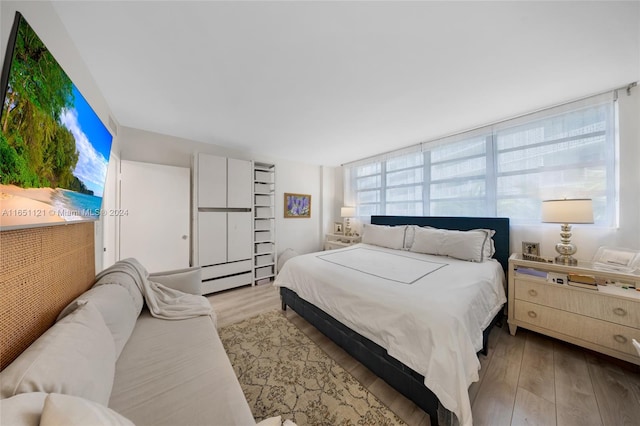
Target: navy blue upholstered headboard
498, 224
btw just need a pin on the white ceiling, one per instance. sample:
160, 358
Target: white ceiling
331, 82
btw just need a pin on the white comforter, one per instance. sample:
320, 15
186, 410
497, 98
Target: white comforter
428, 316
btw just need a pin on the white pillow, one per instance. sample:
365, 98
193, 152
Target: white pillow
76, 356
22, 410
428, 240
409, 235
188, 280
474, 245
489, 249
67, 410
466, 245
384, 236
118, 310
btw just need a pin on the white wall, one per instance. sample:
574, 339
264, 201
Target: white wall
45, 22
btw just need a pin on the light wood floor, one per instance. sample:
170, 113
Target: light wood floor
527, 379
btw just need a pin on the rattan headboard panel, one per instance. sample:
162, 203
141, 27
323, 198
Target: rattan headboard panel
41, 271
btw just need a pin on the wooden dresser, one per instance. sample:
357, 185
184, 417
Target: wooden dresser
605, 320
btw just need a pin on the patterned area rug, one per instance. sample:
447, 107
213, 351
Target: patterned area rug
282, 372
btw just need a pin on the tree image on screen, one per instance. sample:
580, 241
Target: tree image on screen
53, 148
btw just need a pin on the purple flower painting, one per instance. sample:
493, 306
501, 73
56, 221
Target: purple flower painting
297, 205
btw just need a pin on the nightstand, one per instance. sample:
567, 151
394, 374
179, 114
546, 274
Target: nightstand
604, 320
335, 241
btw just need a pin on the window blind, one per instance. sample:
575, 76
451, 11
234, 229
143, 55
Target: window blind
505, 169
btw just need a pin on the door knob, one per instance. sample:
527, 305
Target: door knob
184, 237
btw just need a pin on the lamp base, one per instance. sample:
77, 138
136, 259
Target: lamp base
565, 248
566, 259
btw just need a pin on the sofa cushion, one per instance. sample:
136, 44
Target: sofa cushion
177, 372
76, 356
74, 411
188, 280
119, 311
23, 409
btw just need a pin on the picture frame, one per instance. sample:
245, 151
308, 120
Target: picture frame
297, 205
616, 259
531, 248
338, 228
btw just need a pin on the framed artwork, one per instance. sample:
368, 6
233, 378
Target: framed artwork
531, 248
337, 228
297, 205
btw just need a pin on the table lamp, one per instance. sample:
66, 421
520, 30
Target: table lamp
347, 212
567, 212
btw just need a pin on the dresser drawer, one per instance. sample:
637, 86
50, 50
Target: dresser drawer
224, 269
603, 333
590, 303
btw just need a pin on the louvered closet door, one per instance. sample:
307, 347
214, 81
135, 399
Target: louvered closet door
239, 237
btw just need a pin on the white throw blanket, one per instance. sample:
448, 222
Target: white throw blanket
163, 302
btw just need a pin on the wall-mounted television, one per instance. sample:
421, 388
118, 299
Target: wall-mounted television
54, 150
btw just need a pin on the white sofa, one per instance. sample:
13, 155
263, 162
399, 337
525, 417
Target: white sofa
105, 350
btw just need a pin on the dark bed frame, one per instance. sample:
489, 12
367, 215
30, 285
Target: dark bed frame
404, 379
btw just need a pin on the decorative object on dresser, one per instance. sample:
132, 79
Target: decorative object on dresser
337, 228
531, 248
347, 213
297, 205
566, 212
264, 222
605, 321
335, 241
617, 259
221, 215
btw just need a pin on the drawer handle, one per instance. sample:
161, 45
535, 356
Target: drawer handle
532, 314
620, 338
532, 292
619, 311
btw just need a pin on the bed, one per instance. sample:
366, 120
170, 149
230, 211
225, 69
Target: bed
373, 301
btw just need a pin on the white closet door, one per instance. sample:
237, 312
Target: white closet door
212, 238
239, 238
239, 183
212, 181
155, 228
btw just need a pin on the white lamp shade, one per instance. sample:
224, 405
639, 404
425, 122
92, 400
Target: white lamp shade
347, 211
567, 211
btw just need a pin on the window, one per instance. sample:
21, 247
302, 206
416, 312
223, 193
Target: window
502, 170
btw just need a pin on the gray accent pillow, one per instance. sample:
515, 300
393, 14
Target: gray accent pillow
76, 356
119, 311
